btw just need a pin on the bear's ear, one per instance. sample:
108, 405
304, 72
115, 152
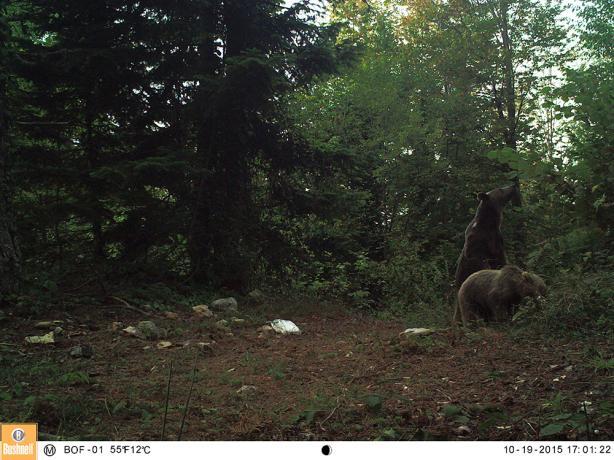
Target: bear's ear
482, 196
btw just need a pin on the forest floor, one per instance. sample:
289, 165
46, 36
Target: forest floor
347, 376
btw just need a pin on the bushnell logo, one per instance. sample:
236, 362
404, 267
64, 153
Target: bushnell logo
18, 441
18, 435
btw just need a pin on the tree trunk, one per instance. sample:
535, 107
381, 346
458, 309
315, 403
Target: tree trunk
509, 82
200, 232
10, 257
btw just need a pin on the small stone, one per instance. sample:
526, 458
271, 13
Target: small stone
130, 330
202, 311
149, 330
284, 326
82, 351
227, 305
462, 430
416, 331
236, 320
116, 325
58, 333
247, 390
257, 296
222, 325
164, 344
205, 347
171, 315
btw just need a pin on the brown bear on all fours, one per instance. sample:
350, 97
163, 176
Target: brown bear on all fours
491, 295
483, 248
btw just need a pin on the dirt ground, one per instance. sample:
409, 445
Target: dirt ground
347, 376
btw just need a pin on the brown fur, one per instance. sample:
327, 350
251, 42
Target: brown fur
483, 246
491, 295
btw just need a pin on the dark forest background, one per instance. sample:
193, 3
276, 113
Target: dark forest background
155, 149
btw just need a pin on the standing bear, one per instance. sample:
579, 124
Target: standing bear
491, 295
483, 248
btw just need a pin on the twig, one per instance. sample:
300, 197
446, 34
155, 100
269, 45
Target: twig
111, 415
126, 305
445, 394
80, 286
187, 403
168, 391
329, 415
530, 426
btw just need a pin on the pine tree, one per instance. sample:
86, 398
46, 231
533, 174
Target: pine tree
10, 257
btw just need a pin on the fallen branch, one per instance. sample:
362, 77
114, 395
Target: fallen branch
127, 306
329, 415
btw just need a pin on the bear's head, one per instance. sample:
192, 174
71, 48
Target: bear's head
491, 203
532, 285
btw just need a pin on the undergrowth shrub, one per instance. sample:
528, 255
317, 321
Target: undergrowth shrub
578, 268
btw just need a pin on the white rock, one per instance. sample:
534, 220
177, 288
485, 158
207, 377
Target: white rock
283, 326
417, 331
130, 330
462, 430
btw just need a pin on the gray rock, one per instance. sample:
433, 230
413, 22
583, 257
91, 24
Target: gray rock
82, 351
222, 325
58, 334
247, 390
227, 305
205, 347
257, 296
149, 330
462, 430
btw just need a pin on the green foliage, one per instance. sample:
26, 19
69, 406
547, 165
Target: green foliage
578, 303
73, 378
561, 416
209, 147
277, 371
374, 402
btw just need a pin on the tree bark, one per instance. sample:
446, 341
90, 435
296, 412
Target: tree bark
10, 256
200, 232
509, 77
